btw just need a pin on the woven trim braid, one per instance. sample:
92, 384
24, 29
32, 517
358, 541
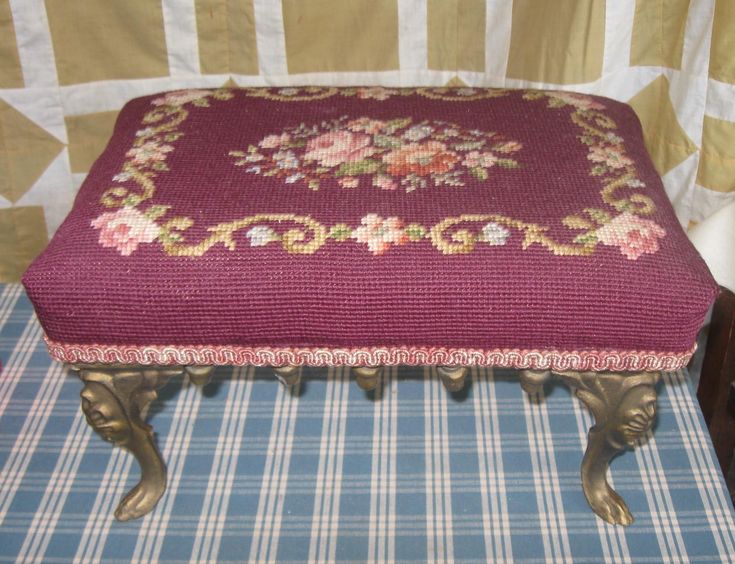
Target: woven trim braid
597, 361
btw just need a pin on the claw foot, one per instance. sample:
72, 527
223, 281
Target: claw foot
113, 400
608, 505
139, 501
624, 408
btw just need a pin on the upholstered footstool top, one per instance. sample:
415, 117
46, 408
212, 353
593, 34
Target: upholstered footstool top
372, 226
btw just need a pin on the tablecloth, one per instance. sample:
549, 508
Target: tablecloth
332, 473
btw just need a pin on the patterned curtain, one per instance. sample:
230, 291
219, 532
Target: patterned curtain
68, 66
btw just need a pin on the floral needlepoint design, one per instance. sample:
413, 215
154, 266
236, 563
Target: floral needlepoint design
349, 182
384, 182
336, 147
388, 153
261, 235
580, 101
181, 97
632, 234
422, 159
286, 160
148, 153
361, 153
380, 233
274, 141
611, 156
418, 132
125, 229
288, 91
378, 93
494, 234
375, 92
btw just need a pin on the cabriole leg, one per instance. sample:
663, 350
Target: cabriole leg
367, 376
200, 375
288, 375
113, 399
624, 408
453, 377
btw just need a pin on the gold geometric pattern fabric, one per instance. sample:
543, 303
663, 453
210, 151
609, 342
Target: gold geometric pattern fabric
663, 44
22, 237
456, 34
717, 167
68, 66
226, 30
666, 141
11, 75
722, 48
26, 150
335, 35
560, 42
88, 136
103, 40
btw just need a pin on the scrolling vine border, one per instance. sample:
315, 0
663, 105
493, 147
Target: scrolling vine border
622, 224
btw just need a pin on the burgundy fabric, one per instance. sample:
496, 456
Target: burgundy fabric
641, 287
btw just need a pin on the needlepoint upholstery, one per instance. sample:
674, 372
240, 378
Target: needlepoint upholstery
360, 226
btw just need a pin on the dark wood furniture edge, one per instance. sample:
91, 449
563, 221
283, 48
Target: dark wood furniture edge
717, 379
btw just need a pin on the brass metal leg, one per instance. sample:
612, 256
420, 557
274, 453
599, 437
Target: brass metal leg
624, 408
112, 400
288, 375
367, 376
453, 377
533, 381
200, 375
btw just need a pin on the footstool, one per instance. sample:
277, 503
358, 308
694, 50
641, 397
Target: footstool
370, 227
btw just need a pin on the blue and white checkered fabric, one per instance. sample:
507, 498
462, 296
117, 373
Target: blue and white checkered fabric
412, 475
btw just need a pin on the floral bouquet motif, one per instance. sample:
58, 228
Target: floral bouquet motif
388, 155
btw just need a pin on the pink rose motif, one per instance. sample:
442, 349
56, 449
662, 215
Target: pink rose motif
613, 156
422, 159
375, 92
632, 234
384, 182
349, 182
149, 151
380, 233
474, 159
337, 147
508, 147
181, 97
125, 229
274, 141
367, 125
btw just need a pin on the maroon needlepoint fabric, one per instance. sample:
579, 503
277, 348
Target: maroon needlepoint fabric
373, 226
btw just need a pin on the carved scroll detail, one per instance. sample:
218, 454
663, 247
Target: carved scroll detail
113, 399
624, 408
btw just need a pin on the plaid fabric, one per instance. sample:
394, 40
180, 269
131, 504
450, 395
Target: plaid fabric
416, 475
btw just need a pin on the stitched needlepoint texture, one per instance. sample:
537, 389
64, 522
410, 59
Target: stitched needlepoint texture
323, 225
